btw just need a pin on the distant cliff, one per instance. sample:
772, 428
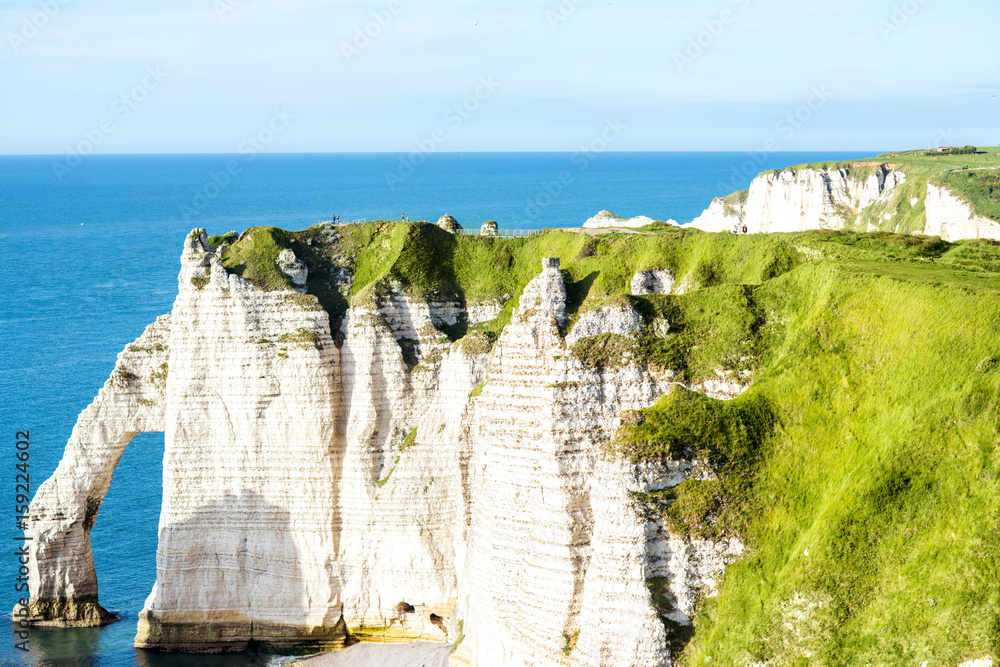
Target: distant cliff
660, 448
906, 193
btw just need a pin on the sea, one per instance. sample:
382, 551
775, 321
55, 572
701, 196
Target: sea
89, 255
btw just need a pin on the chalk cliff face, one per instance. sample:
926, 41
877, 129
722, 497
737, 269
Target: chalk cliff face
952, 219
247, 523
382, 478
795, 201
845, 198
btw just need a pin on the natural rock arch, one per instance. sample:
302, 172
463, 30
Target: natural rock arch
62, 577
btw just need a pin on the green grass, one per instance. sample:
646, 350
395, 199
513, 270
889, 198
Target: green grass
385, 480
570, 640
255, 258
219, 239
426, 262
301, 336
714, 328
916, 162
122, 378
461, 637
733, 202
478, 342
979, 187
862, 468
726, 436
970, 176
409, 441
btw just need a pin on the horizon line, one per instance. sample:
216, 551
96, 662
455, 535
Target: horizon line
471, 152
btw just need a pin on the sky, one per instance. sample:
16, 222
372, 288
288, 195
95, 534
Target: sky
207, 76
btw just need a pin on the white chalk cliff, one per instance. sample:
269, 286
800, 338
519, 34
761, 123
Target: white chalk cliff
951, 218
382, 478
795, 201
814, 198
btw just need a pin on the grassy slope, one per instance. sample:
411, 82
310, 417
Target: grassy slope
869, 439
871, 511
875, 509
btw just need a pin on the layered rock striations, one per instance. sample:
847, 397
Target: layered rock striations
952, 219
386, 432
380, 478
248, 523
795, 201
863, 197
635, 555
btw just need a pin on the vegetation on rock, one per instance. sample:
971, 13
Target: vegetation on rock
732, 203
218, 239
862, 466
979, 187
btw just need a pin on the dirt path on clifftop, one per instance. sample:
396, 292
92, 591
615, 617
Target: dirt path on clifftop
419, 654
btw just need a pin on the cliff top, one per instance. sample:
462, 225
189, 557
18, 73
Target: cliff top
369, 261
924, 162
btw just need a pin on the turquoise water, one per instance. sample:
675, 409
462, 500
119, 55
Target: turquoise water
87, 262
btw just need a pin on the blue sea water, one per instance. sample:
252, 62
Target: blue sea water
89, 259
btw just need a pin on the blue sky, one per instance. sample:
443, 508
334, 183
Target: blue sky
204, 75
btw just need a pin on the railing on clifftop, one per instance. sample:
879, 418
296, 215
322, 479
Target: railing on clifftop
503, 233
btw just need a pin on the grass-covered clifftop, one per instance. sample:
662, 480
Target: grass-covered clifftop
359, 261
873, 512
862, 468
